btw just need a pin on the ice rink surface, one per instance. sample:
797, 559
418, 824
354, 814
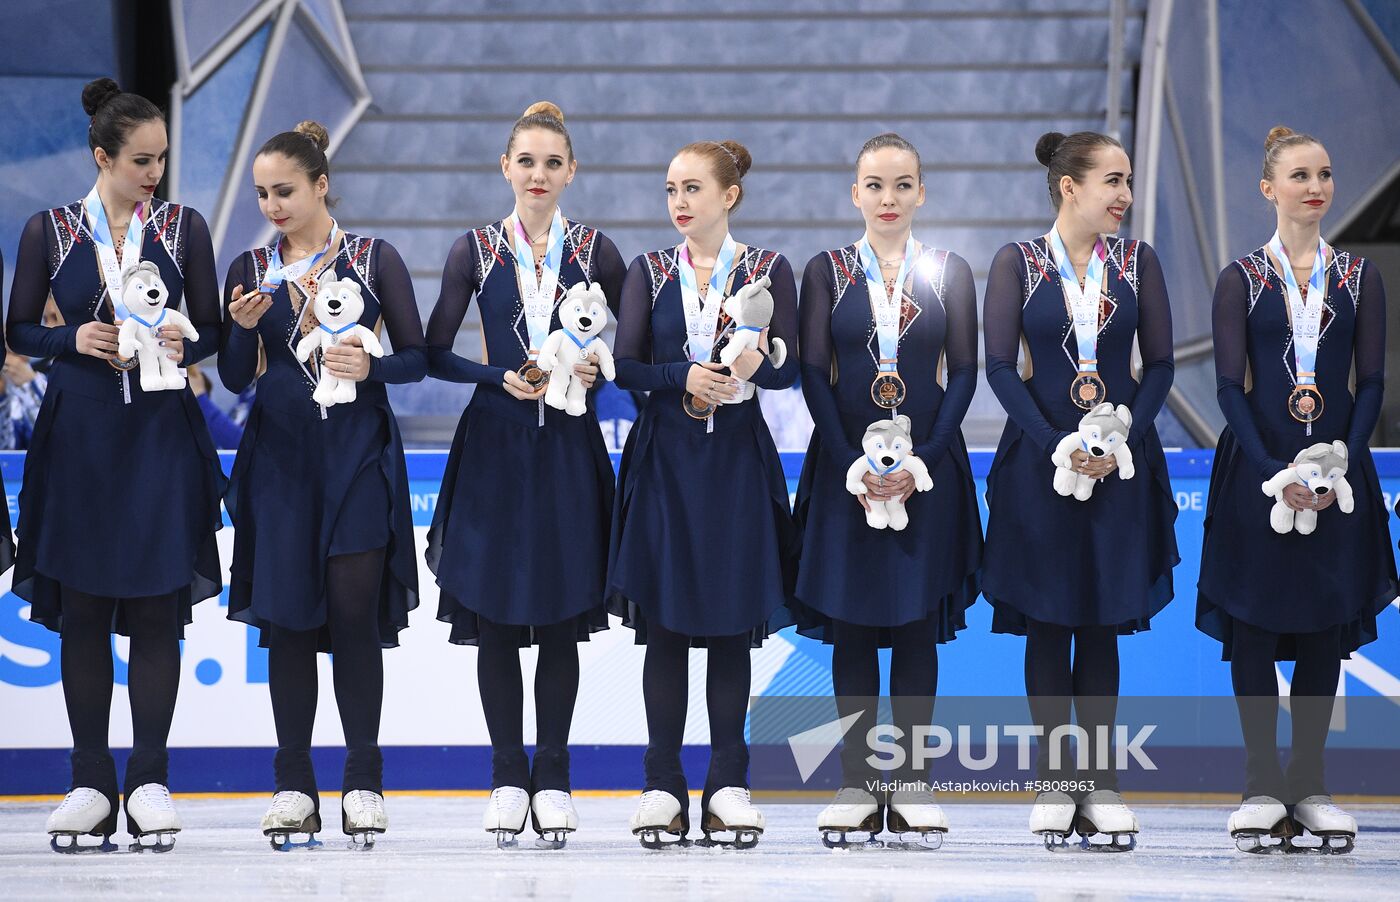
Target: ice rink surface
436, 849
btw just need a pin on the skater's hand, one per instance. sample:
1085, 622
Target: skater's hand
98, 340
586, 370
898, 487
348, 360
1302, 498
704, 380
246, 310
519, 388
1093, 467
174, 343
747, 363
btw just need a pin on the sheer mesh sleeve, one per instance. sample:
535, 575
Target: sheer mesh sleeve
399, 308
609, 271
1368, 345
1229, 331
783, 326
1001, 315
1154, 334
960, 352
201, 288
814, 341
459, 285
25, 324
238, 347
632, 347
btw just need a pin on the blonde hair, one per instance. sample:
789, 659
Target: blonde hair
541, 114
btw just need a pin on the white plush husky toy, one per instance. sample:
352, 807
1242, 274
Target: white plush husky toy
338, 308
888, 448
1102, 432
1322, 468
583, 313
144, 294
751, 309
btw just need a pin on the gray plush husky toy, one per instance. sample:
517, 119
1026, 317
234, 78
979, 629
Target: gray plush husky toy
888, 449
1102, 433
1322, 468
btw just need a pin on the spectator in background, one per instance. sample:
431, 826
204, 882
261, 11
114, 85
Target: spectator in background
21, 393
225, 432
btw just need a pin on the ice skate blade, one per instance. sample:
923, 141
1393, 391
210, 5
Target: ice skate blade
840, 840
73, 847
507, 839
1055, 841
1117, 842
917, 841
281, 841
742, 838
1258, 843
552, 840
363, 840
1330, 844
652, 839
162, 841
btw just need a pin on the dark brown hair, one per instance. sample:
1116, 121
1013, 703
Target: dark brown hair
545, 115
305, 146
898, 142
1069, 155
114, 114
729, 161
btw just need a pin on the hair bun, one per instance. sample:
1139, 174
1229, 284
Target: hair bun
316, 132
97, 92
1046, 146
743, 160
1277, 134
543, 108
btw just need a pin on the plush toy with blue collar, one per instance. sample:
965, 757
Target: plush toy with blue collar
889, 449
144, 294
1103, 432
751, 310
582, 315
338, 310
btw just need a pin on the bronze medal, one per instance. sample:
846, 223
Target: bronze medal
533, 376
1087, 391
887, 391
698, 408
1305, 404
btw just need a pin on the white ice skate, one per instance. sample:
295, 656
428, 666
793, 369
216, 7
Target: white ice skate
505, 815
362, 817
916, 820
852, 811
83, 812
1261, 824
731, 812
660, 814
1052, 818
151, 814
292, 814
1321, 817
1103, 812
554, 817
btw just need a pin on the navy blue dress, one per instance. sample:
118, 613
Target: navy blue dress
311, 483
935, 560
7, 539
520, 534
121, 487
703, 540
1344, 573
1106, 561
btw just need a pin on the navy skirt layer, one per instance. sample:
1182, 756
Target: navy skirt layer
7, 538
1103, 562
1342, 574
304, 490
520, 534
879, 577
703, 541
119, 500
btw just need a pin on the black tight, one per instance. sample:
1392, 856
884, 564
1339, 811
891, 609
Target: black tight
503, 696
665, 687
1089, 680
855, 674
153, 682
1312, 693
352, 615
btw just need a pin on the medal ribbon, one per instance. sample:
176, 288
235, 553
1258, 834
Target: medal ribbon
885, 307
112, 269
277, 273
700, 319
152, 326
1305, 314
879, 472
537, 295
1083, 303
